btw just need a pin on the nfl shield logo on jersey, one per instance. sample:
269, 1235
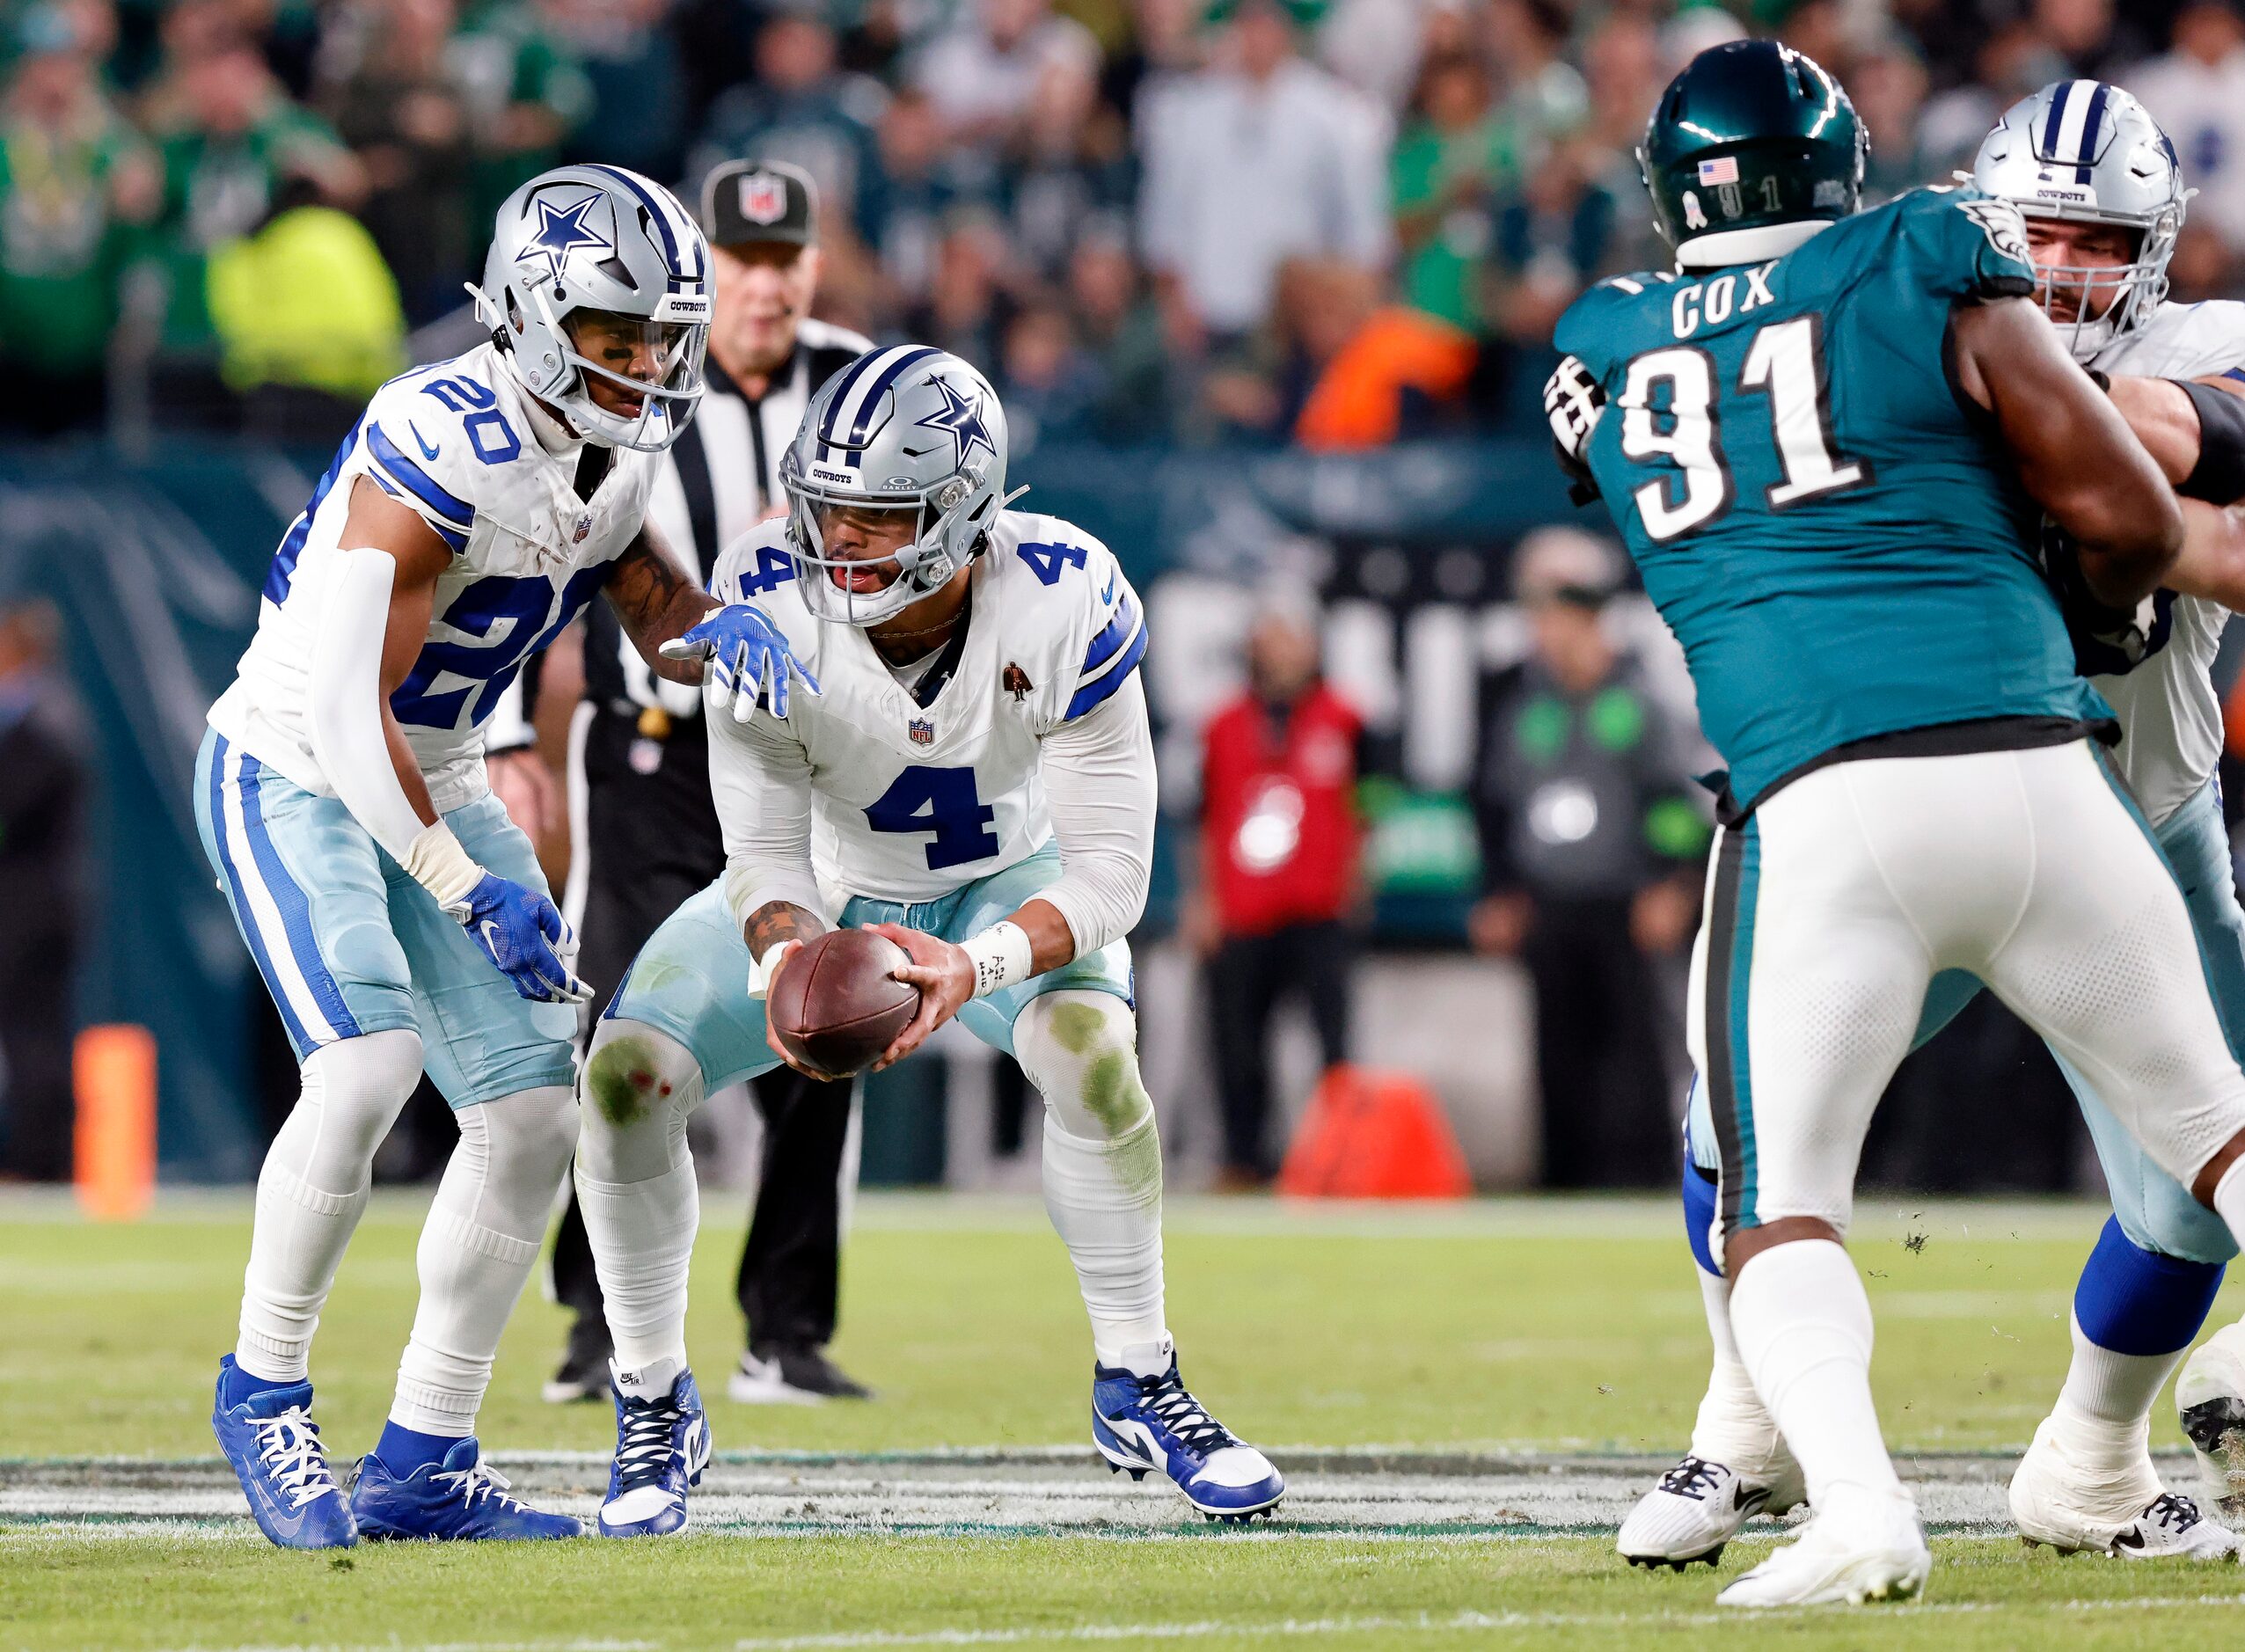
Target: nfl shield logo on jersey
922, 731
763, 198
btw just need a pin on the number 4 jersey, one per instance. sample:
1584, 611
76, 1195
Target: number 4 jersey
456, 444
1820, 517
915, 791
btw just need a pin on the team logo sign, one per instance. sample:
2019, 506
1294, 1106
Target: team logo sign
763, 198
562, 230
2001, 223
922, 731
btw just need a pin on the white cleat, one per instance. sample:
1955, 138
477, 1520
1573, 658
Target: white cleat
2209, 1398
2057, 1501
1698, 1508
1863, 1546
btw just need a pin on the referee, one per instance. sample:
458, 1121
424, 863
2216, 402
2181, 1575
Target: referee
638, 760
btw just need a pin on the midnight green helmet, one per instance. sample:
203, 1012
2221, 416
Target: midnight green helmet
1749, 151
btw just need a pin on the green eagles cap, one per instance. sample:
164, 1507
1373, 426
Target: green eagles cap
1752, 135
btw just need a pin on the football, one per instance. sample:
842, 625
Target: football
834, 1007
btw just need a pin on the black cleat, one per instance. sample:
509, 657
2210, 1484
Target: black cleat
790, 1373
583, 1374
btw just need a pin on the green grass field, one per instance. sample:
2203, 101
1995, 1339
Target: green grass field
1497, 1327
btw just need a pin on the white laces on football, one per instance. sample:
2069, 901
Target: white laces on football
289, 1446
478, 1481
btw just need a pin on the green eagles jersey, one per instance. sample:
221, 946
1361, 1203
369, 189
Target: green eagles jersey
1827, 527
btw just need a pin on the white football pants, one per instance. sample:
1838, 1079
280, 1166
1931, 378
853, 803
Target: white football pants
1830, 908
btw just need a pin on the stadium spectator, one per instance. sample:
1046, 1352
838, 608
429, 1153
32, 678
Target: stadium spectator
2197, 94
525, 95
1887, 82
1279, 865
395, 102
984, 73
1052, 386
1263, 158
75, 179
1451, 162
804, 109
920, 181
637, 117
43, 780
1377, 373
1068, 161
1120, 325
967, 305
1589, 847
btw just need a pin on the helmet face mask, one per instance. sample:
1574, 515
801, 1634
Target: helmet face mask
908, 430
597, 287
2081, 152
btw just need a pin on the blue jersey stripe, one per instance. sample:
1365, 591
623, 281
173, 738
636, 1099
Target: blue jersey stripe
283, 573
417, 481
452, 537
1092, 693
1119, 628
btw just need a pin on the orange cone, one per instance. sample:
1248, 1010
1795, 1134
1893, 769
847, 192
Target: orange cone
113, 1070
1374, 1136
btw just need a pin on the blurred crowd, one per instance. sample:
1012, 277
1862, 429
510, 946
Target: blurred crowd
1337, 222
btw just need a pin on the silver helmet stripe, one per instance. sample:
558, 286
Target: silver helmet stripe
663, 227
858, 395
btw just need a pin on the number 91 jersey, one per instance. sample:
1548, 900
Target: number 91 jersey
910, 801
1818, 515
454, 444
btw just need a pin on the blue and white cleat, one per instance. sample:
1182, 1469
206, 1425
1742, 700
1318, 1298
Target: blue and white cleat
461, 1499
662, 1447
1141, 1424
273, 1445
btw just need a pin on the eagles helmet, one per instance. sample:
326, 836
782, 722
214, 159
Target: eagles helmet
597, 277
1750, 152
2081, 151
902, 428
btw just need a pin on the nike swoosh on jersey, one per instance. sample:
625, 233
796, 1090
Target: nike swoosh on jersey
420, 442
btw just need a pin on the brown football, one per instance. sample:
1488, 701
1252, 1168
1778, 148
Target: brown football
834, 1007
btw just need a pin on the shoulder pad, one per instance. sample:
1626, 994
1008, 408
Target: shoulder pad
1968, 246
755, 566
441, 443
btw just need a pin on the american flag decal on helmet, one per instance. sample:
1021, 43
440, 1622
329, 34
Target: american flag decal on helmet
1721, 169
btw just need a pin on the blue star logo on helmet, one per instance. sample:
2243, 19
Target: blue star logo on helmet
961, 419
561, 231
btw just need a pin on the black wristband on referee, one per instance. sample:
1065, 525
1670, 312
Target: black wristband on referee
2220, 474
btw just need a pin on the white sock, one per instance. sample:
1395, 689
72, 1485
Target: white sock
642, 1235
1733, 1427
1102, 1167
635, 1184
2103, 1420
1803, 1326
311, 1192
476, 1252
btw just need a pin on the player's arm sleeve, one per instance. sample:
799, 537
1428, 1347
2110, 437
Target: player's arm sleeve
760, 779
344, 700
1099, 784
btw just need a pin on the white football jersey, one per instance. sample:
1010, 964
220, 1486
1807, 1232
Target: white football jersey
910, 801
2170, 717
456, 444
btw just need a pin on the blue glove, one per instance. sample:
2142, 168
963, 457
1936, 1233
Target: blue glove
749, 659
520, 932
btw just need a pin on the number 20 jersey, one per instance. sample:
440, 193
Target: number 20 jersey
1821, 518
911, 803
454, 444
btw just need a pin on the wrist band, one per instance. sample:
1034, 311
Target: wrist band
761, 970
1002, 955
2220, 474
438, 863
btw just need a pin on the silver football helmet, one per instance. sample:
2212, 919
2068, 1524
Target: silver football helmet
2086, 152
906, 428
598, 277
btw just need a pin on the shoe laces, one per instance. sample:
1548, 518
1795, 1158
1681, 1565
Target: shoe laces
289, 1446
643, 1448
1694, 1478
2174, 1511
1174, 1407
479, 1482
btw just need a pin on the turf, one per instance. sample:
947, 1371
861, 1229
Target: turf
1501, 1324
1504, 1323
